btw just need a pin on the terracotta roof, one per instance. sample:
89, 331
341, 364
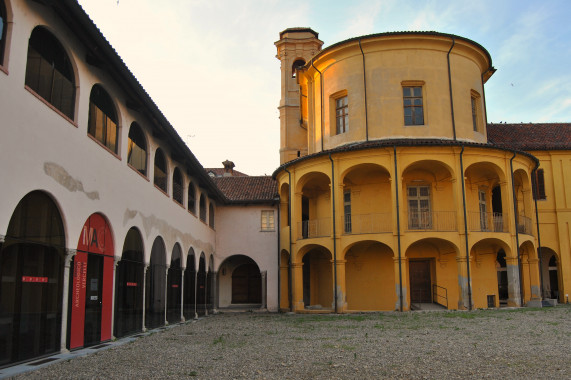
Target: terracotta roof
219, 172
249, 189
536, 136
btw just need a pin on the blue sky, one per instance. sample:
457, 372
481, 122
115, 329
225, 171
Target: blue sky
210, 64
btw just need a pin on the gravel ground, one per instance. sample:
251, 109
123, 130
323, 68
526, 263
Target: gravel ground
510, 344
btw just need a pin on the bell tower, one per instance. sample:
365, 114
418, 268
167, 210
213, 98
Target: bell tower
295, 47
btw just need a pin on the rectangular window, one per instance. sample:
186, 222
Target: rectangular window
476, 114
539, 185
342, 114
413, 105
268, 223
347, 211
419, 214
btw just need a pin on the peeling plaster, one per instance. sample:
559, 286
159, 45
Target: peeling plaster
167, 231
62, 177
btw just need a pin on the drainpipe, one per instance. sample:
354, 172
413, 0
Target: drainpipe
450, 88
534, 175
289, 285
466, 229
516, 231
398, 227
334, 235
321, 101
279, 256
365, 88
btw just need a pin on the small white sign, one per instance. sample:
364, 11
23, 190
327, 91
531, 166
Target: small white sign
94, 298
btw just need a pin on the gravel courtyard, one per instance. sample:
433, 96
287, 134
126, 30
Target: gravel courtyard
514, 343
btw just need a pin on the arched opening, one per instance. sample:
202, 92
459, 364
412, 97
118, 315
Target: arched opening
299, 63
211, 215
174, 286
524, 201
202, 206
362, 212
550, 268
129, 290
239, 282
190, 286
103, 120
553, 278
160, 171
191, 198
210, 283
137, 149
315, 206
484, 197
201, 286
155, 286
317, 279
502, 271
177, 187
370, 277
433, 273
49, 72
284, 280
31, 280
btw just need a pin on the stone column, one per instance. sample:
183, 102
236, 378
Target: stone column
195, 293
264, 289
166, 293
182, 295
535, 286
398, 289
341, 287
144, 294
69, 254
214, 293
113, 298
297, 286
463, 289
514, 298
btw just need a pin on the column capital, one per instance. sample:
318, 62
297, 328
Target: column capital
339, 262
402, 259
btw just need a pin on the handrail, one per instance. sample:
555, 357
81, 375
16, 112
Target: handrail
313, 228
432, 220
436, 296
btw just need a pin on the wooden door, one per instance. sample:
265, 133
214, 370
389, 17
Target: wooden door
420, 282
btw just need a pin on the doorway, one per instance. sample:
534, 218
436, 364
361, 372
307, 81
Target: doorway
92, 329
420, 281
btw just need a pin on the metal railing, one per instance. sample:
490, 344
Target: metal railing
313, 228
440, 295
486, 222
524, 225
432, 220
354, 224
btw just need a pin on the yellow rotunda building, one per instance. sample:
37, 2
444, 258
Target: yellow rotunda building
391, 196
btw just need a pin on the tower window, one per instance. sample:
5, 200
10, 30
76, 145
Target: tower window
476, 114
299, 63
413, 105
539, 185
342, 114
48, 71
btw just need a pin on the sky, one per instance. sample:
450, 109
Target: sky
210, 65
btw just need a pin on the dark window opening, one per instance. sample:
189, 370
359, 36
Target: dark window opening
191, 198
160, 176
3, 27
102, 123
296, 65
539, 185
137, 149
177, 189
155, 286
413, 106
174, 287
211, 215
202, 208
48, 71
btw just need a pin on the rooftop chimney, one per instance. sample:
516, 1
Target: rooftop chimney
228, 168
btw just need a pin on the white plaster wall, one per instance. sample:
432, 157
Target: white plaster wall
85, 178
239, 233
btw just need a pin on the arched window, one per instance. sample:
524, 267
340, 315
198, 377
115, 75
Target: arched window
211, 215
102, 123
177, 186
3, 27
202, 208
137, 149
160, 178
191, 198
48, 72
296, 65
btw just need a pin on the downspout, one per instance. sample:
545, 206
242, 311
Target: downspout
365, 89
466, 229
321, 101
289, 285
279, 257
398, 229
334, 235
534, 175
450, 88
516, 231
